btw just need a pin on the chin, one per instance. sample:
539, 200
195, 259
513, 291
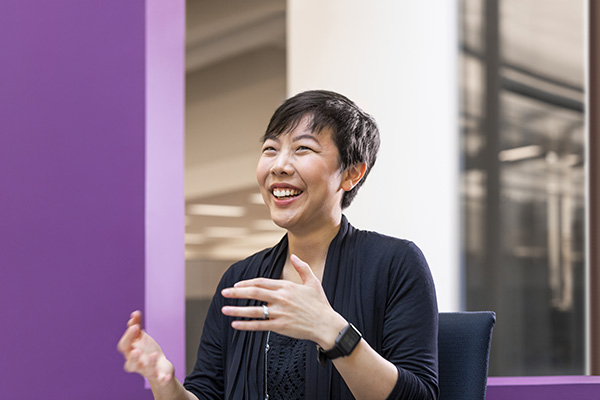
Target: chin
283, 221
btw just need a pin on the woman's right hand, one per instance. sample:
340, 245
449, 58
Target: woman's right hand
143, 355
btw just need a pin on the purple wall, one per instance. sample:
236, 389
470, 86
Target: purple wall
544, 388
72, 193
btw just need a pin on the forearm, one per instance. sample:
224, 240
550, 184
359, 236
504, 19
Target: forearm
367, 374
172, 390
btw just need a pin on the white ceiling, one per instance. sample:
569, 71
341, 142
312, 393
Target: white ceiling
219, 30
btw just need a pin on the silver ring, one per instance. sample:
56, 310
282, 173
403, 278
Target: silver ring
265, 312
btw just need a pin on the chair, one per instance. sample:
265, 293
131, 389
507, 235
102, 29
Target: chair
464, 340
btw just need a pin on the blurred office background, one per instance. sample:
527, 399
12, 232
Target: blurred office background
235, 78
522, 179
519, 156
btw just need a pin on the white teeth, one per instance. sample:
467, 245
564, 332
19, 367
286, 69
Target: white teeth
285, 192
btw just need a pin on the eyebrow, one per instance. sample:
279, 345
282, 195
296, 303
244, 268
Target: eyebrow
297, 138
306, 136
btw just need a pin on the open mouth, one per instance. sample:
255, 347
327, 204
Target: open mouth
286, 193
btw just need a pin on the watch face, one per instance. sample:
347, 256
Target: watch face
349, 338
346, 341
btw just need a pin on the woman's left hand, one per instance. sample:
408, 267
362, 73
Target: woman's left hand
301, 311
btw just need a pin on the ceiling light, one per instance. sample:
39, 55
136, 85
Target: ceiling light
265, 225
572, 159
225, 232
191, 254
215, 210
520, 153
194, 238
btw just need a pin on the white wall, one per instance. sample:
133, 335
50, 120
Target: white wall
397, 60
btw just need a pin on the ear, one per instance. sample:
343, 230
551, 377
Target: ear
352, 175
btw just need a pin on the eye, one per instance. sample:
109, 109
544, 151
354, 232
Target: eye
268, 149
304, 149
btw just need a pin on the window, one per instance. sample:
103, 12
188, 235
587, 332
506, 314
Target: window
523, 179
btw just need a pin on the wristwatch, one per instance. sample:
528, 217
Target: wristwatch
345, 343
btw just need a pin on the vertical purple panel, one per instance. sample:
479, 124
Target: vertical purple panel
165, 271
72, 195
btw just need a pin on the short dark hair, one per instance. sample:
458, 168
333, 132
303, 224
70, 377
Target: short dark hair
355, 132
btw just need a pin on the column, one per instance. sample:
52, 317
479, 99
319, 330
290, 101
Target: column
91, 198
397, 60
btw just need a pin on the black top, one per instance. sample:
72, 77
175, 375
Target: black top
380, 284
286, 368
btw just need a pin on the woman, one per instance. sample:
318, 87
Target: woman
330, 312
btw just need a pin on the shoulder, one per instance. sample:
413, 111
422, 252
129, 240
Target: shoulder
391, 259
384, 246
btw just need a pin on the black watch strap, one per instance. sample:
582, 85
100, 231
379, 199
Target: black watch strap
345, 343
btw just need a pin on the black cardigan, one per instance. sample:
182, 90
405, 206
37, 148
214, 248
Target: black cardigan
381, 284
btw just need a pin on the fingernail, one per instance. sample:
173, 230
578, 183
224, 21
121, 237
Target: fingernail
226, 292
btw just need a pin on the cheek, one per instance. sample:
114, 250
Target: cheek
262, 170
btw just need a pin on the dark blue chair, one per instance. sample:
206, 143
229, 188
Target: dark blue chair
464, 340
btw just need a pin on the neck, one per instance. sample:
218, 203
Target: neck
312, 246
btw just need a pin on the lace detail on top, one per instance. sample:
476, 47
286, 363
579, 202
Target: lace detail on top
286, 368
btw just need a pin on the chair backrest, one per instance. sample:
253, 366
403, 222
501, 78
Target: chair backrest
464, 340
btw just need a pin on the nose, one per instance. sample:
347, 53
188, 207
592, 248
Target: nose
282, 165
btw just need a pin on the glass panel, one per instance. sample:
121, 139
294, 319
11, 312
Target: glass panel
522, 125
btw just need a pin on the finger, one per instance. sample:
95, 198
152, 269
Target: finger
133, 360
250, 292
126, 341
265, 283
304, 270
253, 325
246, 312
135, 318
152, 364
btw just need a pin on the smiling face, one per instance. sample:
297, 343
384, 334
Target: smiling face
301, 179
